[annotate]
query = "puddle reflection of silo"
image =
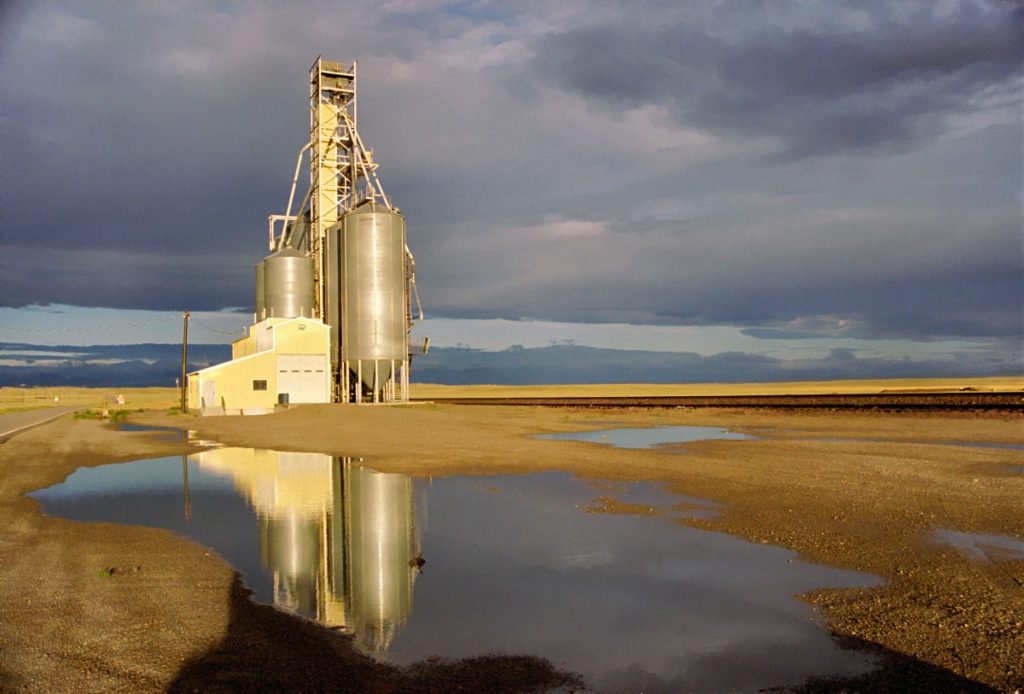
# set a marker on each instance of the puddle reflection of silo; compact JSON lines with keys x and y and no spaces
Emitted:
{"x":338,"y":539}
{"x":290,"y":550}
{"x":381,"y":553}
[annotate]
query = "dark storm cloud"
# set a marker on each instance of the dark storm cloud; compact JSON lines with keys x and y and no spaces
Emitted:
{"x":944,"y":305}
{"x":642,"y":163}
{"x":886,"y":83}
{"x":932,"y":256}
{"x":127,"y":279}
{"x":110,"y":143}
{"x":143,"y":150}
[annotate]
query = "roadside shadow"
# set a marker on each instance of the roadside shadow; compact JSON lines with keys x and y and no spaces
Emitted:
{"x":268,"y":650}
{"x":896,"y":672}
{"x":8,"y":683}
{"x":893,"y":673}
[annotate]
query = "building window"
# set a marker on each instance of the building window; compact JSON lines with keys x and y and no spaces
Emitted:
{"x":259,"y":385}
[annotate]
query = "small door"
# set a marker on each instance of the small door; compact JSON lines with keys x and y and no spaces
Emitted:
{"x":209,"y":394}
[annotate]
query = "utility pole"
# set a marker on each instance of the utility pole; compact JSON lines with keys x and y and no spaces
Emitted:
{"x":184,"y":360}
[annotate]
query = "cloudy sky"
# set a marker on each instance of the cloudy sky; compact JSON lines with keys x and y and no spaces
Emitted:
{"x":706,"y":176}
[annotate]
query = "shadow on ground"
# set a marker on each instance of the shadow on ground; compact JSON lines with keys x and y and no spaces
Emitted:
{"x":267,"y":650}
{"x":7,"y":681}
{"x":897,"y":672}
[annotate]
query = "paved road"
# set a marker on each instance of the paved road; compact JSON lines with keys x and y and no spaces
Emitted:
{"x":16,"y":422}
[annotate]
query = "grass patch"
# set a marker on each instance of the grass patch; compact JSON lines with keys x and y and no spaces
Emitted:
{"x":12,"y":410}
{"x":114,"y":416}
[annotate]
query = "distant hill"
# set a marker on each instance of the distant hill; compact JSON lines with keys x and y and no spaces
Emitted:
{"x":160,"y":364}
{"x":558,"y":364}
{"x":102,"y":365}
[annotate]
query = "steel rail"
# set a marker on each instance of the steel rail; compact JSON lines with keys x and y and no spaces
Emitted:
{"x":953,"y":401}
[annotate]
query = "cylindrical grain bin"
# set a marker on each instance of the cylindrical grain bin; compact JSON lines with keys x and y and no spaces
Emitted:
{"x":288,"y":281}
{"x":261,"y":291}
{"x":373,"y":293}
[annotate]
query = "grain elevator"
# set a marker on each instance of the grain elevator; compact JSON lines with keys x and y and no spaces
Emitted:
{"x":338,"y":257}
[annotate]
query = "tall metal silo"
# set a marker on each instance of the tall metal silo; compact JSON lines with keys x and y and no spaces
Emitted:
{"x":288,"y":282}
{"x":374,"y":300}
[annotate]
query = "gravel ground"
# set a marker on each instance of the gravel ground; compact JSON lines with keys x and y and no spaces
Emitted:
{"x":862,"y":491}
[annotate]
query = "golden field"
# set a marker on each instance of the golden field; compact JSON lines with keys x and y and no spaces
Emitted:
{"x":988,"y":384}
{"x":167,"y":398}
{"x":134,"y":398}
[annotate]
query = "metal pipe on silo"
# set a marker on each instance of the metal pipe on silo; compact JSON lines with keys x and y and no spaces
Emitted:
{"x":332,"y":310}
{"x":261,"y":291}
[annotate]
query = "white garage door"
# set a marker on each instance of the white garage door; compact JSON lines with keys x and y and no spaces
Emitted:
{"x":303,"y":377}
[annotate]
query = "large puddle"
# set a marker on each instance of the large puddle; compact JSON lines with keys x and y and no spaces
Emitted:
{"x":648,"y":437}
{"x":462,"y":566}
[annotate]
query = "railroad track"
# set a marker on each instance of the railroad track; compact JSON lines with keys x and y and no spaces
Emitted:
{"x":892,"y":402}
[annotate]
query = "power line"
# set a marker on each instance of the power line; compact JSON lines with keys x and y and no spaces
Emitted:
{"x":234,"y":332}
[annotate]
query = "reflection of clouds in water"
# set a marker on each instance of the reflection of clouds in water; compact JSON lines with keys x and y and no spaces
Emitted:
{"x":586,"y":560}
{"x":608,"y":595}
{"x":649,"y":437}
{"x":702,"y":667}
